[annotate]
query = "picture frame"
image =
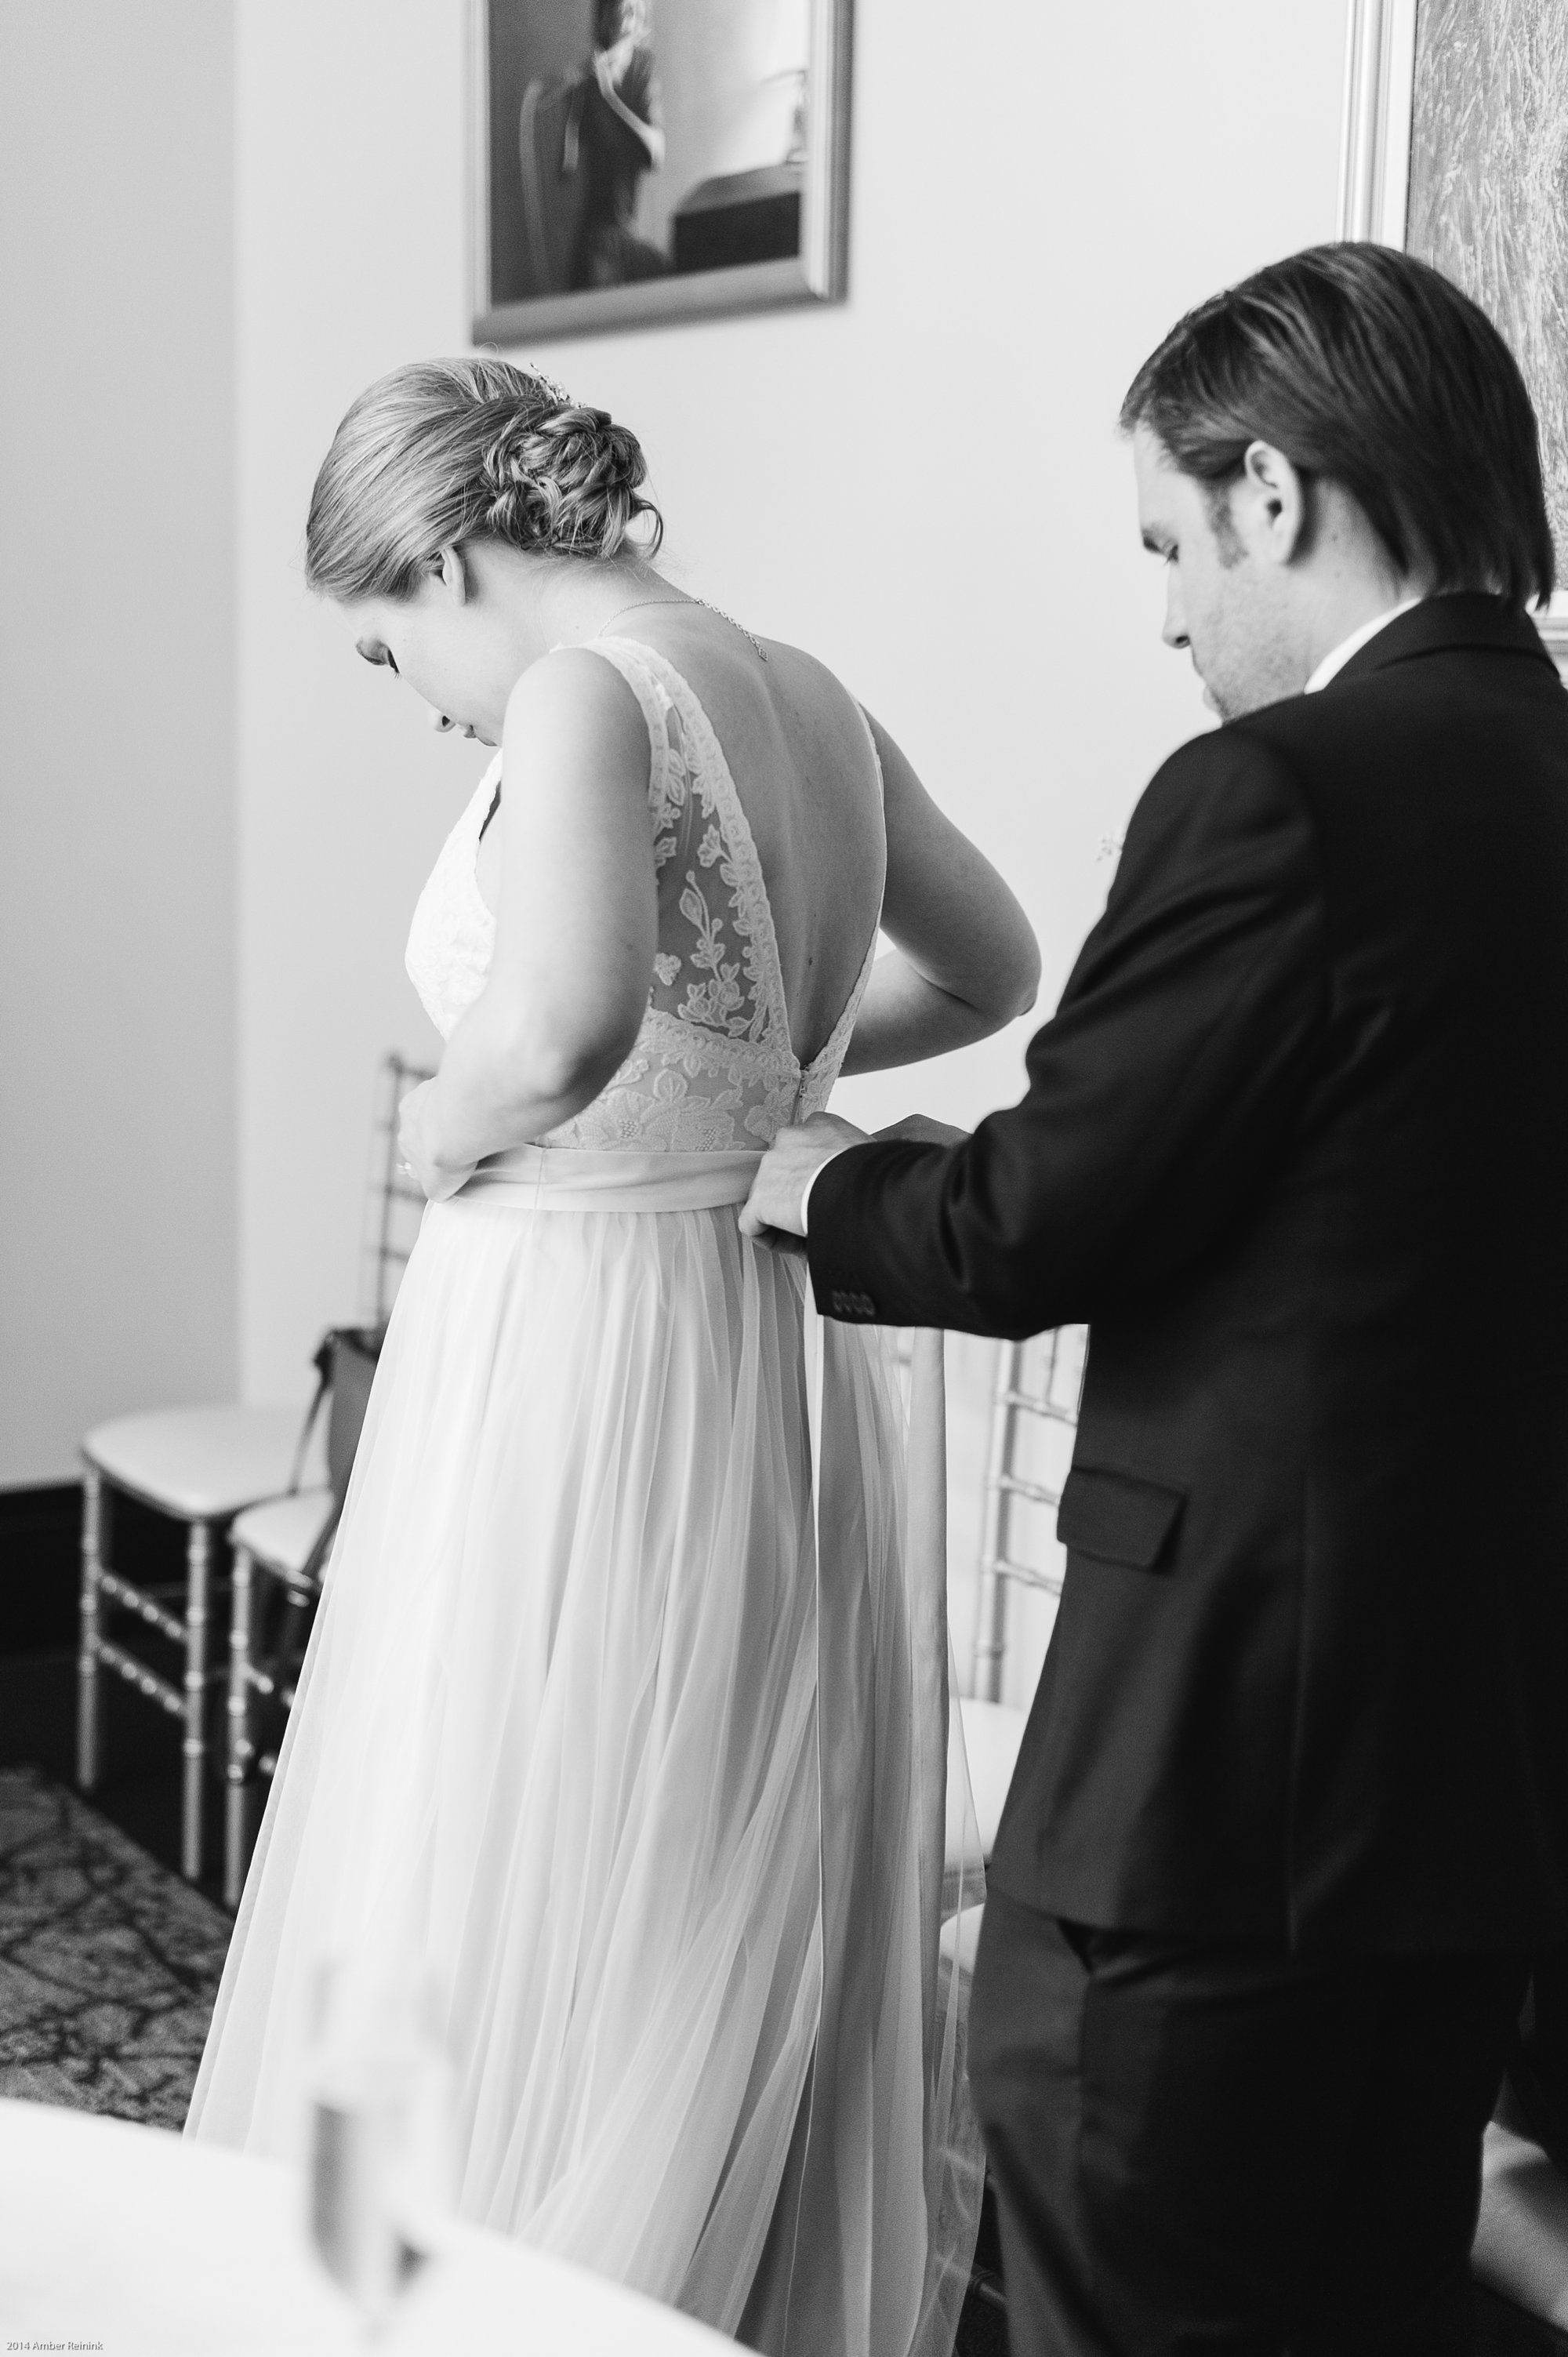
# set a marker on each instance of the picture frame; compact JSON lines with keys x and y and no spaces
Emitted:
{"x":635,"y":162}
{"x":1391,"y":189}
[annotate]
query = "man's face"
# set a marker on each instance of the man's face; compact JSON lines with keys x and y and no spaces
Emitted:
{"x":1225,"y":601}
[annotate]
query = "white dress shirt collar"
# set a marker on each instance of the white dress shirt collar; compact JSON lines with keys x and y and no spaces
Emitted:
{"x":1337,"y":657}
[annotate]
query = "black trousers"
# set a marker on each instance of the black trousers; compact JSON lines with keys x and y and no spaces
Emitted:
{"x":1223,"y":2147}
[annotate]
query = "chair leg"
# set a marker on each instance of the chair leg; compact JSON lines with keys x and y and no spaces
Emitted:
{"x":991,"y":1604}
{"x":88,"y":1699}
{"x":199,"y":1563}
{"x":241,"y":1750}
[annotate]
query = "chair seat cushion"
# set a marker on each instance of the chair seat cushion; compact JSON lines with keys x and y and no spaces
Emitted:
{"x":992,"y":1733}
{"x":199,"y":1463}
{"x":1521,"y":2242}
{"x":281,"y":1532}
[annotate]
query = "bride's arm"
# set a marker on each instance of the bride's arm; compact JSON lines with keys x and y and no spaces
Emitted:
{"x":576,"y":925}
{"x":964,"y":958}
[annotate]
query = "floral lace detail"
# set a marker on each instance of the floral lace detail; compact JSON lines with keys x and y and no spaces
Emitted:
{"x":712,"y":1067}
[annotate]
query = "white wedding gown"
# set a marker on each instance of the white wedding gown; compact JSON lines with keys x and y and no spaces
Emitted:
{"x":592,"y":1725}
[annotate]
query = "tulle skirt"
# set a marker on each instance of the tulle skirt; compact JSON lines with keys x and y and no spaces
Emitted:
{"x":625,"y":1717}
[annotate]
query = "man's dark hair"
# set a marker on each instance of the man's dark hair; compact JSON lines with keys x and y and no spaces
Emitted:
{"x":1373,"y":371}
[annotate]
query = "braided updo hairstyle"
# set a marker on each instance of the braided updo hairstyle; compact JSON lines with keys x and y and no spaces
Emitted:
{"x":442,"y":452}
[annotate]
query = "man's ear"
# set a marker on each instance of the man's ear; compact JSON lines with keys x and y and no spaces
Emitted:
{"x":449,"y":567}
{"x":1273,"y":493}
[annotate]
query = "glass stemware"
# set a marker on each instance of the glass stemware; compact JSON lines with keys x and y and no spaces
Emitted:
{"x":379,"y":2141}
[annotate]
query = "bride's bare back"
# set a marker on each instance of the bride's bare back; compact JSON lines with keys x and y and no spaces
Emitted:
{"x":799,"y":753}
{"x":842,"y":838}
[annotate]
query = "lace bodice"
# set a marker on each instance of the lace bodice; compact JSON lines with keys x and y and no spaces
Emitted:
{"x":712,"y":1067}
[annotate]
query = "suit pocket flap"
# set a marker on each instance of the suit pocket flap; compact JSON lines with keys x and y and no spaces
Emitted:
{"x":1118,"y":1517}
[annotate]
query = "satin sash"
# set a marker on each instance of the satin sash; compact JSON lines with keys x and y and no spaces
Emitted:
{"x":560,"y":1179}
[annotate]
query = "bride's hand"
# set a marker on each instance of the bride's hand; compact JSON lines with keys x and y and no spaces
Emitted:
{"x":416,"y":1147}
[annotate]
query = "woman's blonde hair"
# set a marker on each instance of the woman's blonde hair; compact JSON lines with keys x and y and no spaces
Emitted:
{"x":442,"y":452}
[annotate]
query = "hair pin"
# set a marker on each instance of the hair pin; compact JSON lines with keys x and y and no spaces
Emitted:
{"x":557,"y":392}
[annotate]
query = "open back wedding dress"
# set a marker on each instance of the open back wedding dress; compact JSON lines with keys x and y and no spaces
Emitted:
{"x":618,"y":1712}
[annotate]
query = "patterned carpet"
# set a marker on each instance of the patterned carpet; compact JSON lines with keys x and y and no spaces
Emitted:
{"x":109,"y":1963}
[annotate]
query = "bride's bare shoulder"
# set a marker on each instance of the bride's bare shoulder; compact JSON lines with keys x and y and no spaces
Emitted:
{"x":573,"y":704}
{"x":803,"y":665}
{"x":815,"y":690}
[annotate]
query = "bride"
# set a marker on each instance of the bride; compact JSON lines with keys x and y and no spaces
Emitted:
{"x":613,"y":1717}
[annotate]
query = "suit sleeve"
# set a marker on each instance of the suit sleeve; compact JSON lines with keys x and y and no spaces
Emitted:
{"x":1160,"y":1093}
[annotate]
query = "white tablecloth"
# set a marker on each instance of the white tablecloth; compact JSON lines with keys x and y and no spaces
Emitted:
{"x":130,"y":2241}
{"x":1522,"y":2245}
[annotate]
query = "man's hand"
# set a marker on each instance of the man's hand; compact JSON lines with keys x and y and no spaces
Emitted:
{"x":773,"y":1211}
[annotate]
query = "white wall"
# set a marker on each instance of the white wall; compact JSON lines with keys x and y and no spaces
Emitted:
{"x":117,"y":1266}
{"x":924,"y":485}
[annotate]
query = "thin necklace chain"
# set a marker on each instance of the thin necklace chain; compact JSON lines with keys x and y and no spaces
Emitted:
{"x":639,"y":603}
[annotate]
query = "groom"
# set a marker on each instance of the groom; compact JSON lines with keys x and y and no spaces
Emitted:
{"x":1291,"y":1815}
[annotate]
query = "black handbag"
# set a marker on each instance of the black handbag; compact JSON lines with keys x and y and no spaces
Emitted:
{"x":345,"y":1363}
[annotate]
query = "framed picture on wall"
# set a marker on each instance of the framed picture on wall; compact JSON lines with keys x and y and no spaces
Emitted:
{"x":636,"y":161}
{"x":1455,"y":148}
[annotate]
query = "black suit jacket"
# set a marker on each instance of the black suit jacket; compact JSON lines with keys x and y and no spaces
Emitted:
{"x":1295,"y":1144}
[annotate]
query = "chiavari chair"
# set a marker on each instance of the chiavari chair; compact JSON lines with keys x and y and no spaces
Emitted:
{"x":277,"y":1541}
{"x":201,"y":1466}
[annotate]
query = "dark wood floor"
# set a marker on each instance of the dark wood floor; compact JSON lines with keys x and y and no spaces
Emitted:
{"x":140,"y":1789}
{"x":140,"y":1786}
